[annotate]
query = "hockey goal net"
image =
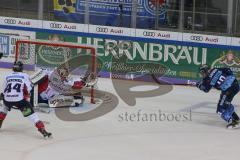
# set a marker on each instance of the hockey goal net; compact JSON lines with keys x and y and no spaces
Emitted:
{"x":76,"y":59}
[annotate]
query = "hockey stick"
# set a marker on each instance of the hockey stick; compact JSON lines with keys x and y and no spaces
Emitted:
{"x":161,"y":82}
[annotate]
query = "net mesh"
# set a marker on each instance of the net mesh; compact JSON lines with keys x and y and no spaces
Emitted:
{"x":52,"y":54}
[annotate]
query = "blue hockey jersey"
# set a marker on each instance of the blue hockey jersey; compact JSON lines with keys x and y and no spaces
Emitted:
{"x":219,"y":78}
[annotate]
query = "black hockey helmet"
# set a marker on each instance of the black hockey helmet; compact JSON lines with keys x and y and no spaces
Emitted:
{"x":204,"y":70}
{"x":17,"y":66}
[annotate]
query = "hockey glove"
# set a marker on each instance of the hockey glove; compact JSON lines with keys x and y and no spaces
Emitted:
{"x":198,"y":84}
{"x":201,"y":86}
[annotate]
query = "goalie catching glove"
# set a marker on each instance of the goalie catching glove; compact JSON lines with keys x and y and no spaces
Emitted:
{"x":87,"y":81}
{"x":90,"y":80}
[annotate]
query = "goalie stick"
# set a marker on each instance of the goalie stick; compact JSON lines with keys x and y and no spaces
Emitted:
{"x":65,"y":101}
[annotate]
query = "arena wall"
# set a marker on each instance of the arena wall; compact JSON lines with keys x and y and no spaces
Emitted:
{"x":130,"y":53}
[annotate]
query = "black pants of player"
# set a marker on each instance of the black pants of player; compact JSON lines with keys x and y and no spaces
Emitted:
{"x":227,"y":96}
{"x":24,"y":106}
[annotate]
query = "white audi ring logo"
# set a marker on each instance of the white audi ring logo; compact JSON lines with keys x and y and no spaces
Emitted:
{"x":149,"y":34}
{"x":10,"y":21}
{"x":55,"y":25}
{"x":196,"y":38}
{"x":102,"y":30}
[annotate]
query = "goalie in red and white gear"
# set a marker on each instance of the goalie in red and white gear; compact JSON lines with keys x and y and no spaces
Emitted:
{"x":44,"y":92}
{"x":58,"y":86}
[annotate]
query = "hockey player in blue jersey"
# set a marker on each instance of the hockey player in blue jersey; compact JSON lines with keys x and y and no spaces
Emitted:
{"x":224,"y":80}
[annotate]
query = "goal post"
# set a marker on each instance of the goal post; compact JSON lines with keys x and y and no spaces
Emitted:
{"x":52,"y":54}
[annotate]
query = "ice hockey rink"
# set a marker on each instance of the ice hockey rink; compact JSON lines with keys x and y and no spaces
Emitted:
{"x":201,"y":136}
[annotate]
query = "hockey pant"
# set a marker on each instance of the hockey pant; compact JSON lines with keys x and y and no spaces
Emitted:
{"x":25,"y":107}
{"x":225,"y":108}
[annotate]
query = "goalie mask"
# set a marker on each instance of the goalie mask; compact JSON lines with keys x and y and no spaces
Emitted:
{"x":17,"y":66}
{"x":63,"y":73}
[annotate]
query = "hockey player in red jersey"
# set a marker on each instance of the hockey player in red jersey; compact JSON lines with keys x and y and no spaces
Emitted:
{"x":16,"y":94}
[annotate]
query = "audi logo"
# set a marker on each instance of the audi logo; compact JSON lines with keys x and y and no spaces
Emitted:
{"x":55,"y":25}
{"x":149,"y":34}
{"x":10,"y":21}
{"x":196,"y":38}
{"x":102,"y":30}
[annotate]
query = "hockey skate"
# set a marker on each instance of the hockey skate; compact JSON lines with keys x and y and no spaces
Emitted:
{"x":234,"y":124}
{"x":45,"y":133}
{"x":78,"y":100}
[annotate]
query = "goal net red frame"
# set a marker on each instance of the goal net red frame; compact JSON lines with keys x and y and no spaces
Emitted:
{"x":30,"y":58}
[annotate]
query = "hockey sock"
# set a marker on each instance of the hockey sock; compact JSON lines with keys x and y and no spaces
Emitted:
{"x":35,"y":119}
{"x":40,"y":125}
{"x":2,"y":117}
{"x":235,"y":116}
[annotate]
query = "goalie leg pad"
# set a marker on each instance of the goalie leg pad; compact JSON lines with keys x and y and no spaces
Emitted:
{"x":65,"y":101}
{"x":61,"y":101}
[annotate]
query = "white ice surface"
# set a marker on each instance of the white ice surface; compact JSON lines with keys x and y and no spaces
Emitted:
{"x":109,"y":138}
